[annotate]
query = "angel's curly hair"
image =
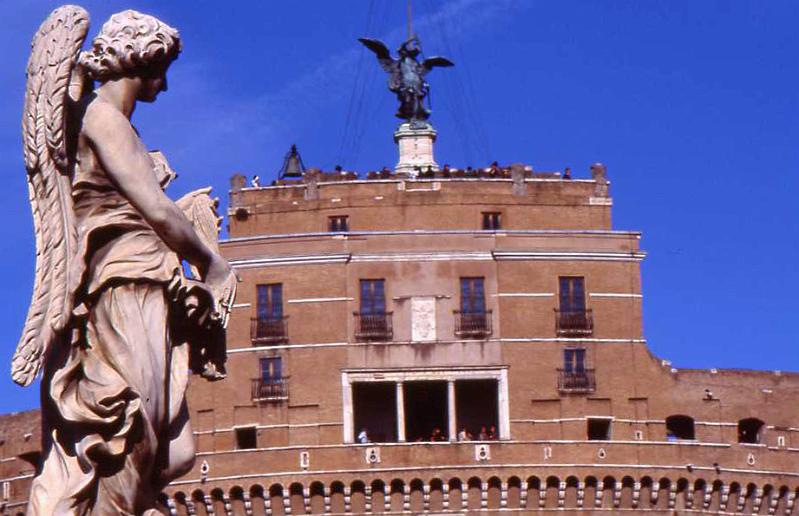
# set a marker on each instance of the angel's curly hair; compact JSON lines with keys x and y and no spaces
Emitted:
{"x":129,"y":44}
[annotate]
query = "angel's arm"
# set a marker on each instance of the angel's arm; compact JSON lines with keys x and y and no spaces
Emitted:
{"x":127,"y":163}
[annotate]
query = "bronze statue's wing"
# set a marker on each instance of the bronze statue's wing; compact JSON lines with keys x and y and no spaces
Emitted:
{"x":54,"y":54}
{"x":381,"y":51}
{"x":431,"y":62}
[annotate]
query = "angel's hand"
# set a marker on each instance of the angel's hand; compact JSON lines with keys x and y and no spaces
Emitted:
{"x":222,"y":281}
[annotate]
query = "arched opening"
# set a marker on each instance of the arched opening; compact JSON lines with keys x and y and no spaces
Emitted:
{"x":782,"y":502}
{"x":417,"y":495}
{"x":162,"y":503}
{"x":237,"y":501}
{"x":257,"y":500}
{"x":589,"y":495}
{"x":436,"y":495}
{"x":664,"y":486}
{"x":296,"y":499}
{"x":679,"y":428}
{"x":198,"y":499}
{"x":608,"y":487}
{"x":749,"y":430}
{"x":681,"y":502}
{"x":700,"y":487}
{"x":514,"y":496}
{"x":181,"y":507}
{"x":474,"y":490}
{"x":627,"y":485}
{"x":570,"y":497}
{"x":218,"y":501}
{"x":337,"y":504}
{"x":645,"y":494}
{"x":378,"y":497}
{"x":317,"y":494}
{"x":358,"y":497}
{"x":733,"y":498}
{"x":397,"y":495}
{"x":715,"y":496}
{"x":494,"y":494}
{"x":765,"y":501}
{"x":552,"y":493}
{"x":455,"y":494}
{"x":749,"y":498}
{"x":276,"y":504}
{"x":533,"y":492}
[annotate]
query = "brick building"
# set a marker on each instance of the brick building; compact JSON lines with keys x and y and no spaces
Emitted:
{"x":450,"y":343}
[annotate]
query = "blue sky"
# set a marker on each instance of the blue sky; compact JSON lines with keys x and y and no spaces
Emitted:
{"x":693,"y":107}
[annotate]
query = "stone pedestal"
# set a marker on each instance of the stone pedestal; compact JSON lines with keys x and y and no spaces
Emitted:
{"x":415,"y":148}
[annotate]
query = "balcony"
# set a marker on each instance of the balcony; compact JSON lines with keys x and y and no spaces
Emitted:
{"x":576,"y":381}
{"x":269,"y":330}
{"x":574,"y":323}
{"x":475,"y":325}
{"x":373,"y":326}
{"x":270,"y":389}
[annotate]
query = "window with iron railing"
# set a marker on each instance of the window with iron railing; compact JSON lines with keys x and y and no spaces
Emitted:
{"x":472,"y":320}
{"x":269,"y":324}
{"x":271,"y":385}
{"x":274,"y":390}
{"x":372,"y":322}
{"x":575,"y":375}
{"x":572,"y":318}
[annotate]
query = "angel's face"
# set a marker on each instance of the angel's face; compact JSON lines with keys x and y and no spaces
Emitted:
{"x":153,"y":83}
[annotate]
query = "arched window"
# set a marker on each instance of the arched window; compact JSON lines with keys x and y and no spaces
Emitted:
{"x":749,"y":430}
{"x":680,"y":428}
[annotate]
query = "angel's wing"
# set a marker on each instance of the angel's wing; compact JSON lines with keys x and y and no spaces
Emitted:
{"x":431,"y":62}
{"x":381,"y":51}
{"x":54,"y":54}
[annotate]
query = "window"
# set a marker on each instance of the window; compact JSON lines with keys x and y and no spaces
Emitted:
{"x":599,"y":428}
{"x":572,"y":294}
{"x":472,"y":321}
{"x":246,"y":438}
{"x":679,"y":428}
{"x":572,"y":318}
{"x":749,"y":430}
{"x":492,"y":220}
{"x":575,"y":377}
{"x":338,"y":224}
{"x":373,"y":297}
{"x":373,"y":322}
{"x":269,"y":301}
{"x":271,"y":371}
{"x":271,"y":385}
{"x":269,"y":325}
{"x":472,"y":296}
{"x":574,"y":361}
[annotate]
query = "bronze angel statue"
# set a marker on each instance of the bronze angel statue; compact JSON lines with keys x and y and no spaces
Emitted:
{"x":406,"y":76}
{"x":115,"y":323}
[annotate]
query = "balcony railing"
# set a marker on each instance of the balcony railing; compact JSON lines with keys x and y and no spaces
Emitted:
{"x":576,"y":381}
{"x":270,"y":389}
{"x":269,"y":330}
{"x":574,"y":323}
{"x":474,"y":325}
{"x":373,"y":326}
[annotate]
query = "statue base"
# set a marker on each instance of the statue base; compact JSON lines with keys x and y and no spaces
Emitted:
{"x":415,"y":140}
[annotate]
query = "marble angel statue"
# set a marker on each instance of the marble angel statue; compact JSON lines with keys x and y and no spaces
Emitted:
{"x":115,"y":323}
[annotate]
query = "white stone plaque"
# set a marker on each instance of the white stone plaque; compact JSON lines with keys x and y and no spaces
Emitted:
{"x":423,"y":319}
